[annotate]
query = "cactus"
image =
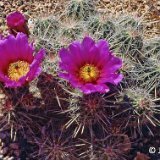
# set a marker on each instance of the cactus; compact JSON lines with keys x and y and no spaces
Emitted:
{"x":152,"y":46}
{"x":111,"y":147}
{"x":87,"y":111}
{"x":62,"y":123}
{"x":141,"y":109}
{"x":127,"y":41}
{"x":55,"y":146}
{"x":148,"y":72}
{"x":128,"y":38}
{"x":71,"y":28}
{"x":81,"y":9}
{"x":45,"y":32}
{"x":101,"y":26}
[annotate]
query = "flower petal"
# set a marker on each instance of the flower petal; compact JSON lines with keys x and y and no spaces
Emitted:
{"x":90,"y":88}
{"x":112,"y":66}
{"x":35,"y":68}
{"x":15,"y":48}
{"x":88,"y":43}
{"x":112,"y":78}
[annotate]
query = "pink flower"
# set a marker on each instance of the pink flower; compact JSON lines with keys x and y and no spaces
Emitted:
{"x":89,"y":66}
{"x":17,"y":23}
{"x":18,"y":64}
{"x":1,"y":36}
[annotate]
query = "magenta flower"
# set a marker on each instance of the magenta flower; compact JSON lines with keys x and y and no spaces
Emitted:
{"x":17,"y":23}
{"x":18,"y":65}
{"x":1,"y":37}
{"x":89,"y":66}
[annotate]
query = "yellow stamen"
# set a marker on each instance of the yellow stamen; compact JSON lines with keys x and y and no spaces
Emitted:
{"x":89,"y":73}
{"x":18,"y":69}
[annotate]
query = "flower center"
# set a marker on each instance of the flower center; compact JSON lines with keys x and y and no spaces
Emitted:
{"x":89,"y":73}
{"x":18,"y":69}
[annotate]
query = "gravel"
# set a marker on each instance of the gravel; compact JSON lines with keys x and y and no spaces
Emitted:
{"x":33,"y":8}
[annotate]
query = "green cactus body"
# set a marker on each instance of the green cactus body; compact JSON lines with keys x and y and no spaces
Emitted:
{"x":81,"y":9}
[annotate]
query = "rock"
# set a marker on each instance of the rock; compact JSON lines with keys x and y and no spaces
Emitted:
{"x":2,"y":96}
{"x":1,"y":4}
{"x":141,"y":156}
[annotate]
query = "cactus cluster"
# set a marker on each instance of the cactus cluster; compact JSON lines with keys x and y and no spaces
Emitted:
{"x":81,"y":9}
{"x":62,"y":123}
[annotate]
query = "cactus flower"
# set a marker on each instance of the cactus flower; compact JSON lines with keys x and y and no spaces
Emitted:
{"x":18,"y":64}
{"x":89,"y":66}
{"x":17,"y":23}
